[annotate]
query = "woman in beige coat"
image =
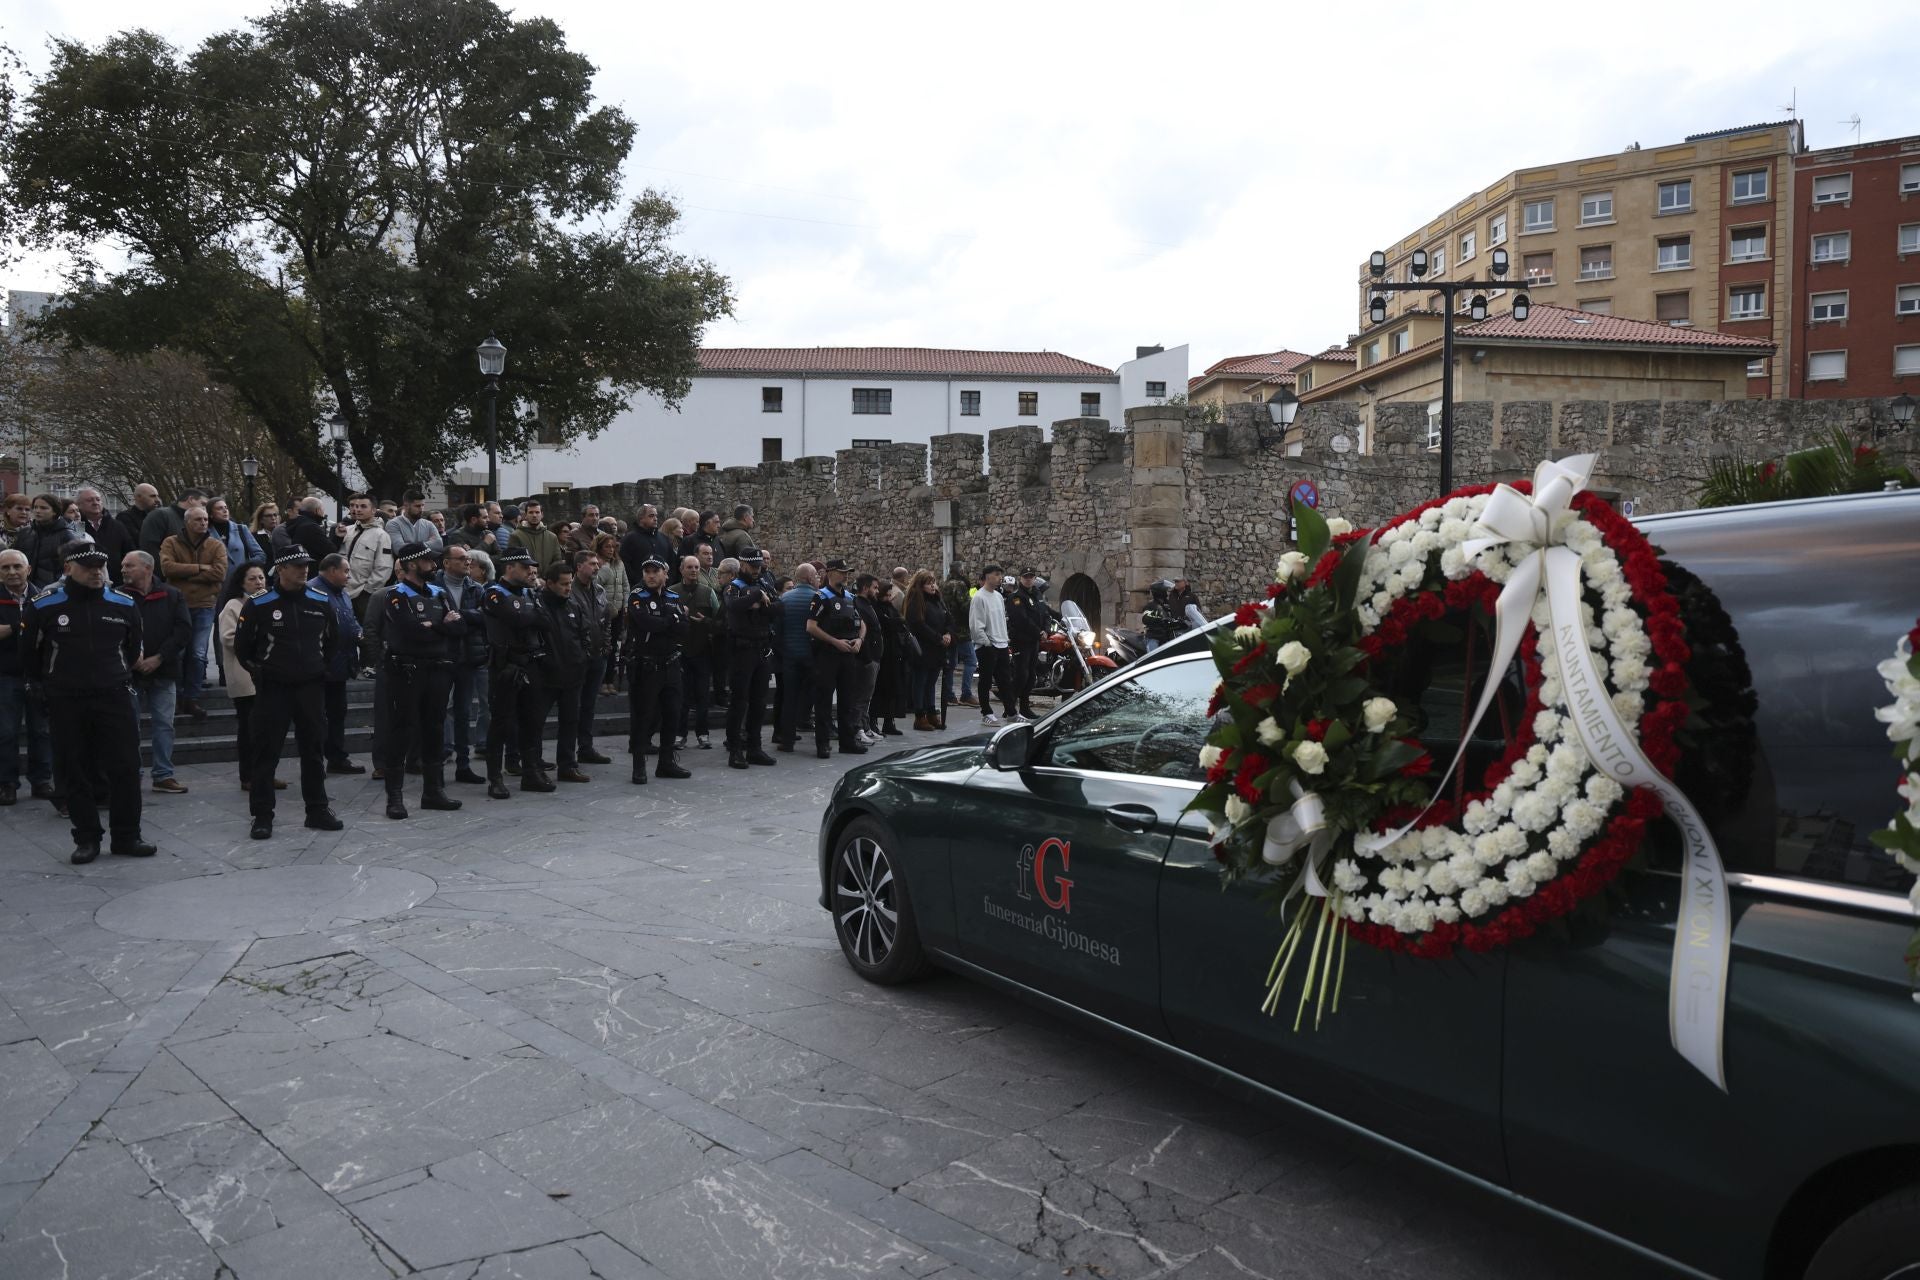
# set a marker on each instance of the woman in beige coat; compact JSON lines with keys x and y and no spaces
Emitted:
{"x":248,"y":580}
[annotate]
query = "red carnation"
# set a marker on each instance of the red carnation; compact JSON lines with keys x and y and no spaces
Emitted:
{"x":1913,"y":639}
{"x":1864,"y":452}
{"x":1261,"y":694}
{"x":1248,"y":615}
{"x":1317,"y":730}
{"x":1251,"y":768}
{"x":1213,"y":703}
{"x":1275,"y":590}
{"x":1421,"y":765}
{"x":1240,"y":667}
{"x":1218,"y":771}
{"x":1766,"y":471}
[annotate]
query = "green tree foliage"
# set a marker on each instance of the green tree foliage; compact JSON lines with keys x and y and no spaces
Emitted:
{"x":332,"y":207}
{"x":1833,"y":467}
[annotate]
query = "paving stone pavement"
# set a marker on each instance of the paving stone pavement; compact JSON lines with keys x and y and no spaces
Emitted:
{"x":607,"y":1033}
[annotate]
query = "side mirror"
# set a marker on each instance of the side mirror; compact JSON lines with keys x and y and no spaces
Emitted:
{"x":1011,"y":748}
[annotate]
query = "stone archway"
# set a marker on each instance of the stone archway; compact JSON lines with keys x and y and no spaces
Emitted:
{"x":1085,"y":593}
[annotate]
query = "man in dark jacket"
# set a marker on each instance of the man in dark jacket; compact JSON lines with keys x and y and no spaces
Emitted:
{"x":473,"y":533}
{"x":589,"y":600}
{"x":736,"y":535}
{"x":164,"y":522}
{"x":422,"y":633}
{"x":286,"y":641}
{"x":1027,"y":620}
{"x":308,"y":531}
{"x":332,"y":579}
{"x":645,"y":542}
{"x":469,"y":662}
{"x":518,"y":636}
{"x":166,"y":637}
{"x":562,"y":672}
{"x":145,"y":499}
{"x":107,"y":533}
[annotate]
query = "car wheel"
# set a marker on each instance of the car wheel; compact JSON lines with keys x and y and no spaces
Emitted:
{"x":1877,"y":1243}
{"x":872,"y":913}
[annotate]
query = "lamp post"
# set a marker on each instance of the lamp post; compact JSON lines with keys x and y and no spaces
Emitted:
{"x":337,"y":432}
{"x":1901,"y":411}
{"x":249,"y":469}
{"x":1448,"y":290}
{"x":1282,"y":407}
{"x":493,"y":363}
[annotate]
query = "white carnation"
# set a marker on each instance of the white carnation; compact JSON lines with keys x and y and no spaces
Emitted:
{"x":1473,"y":901}
{"x":1603,"y":790}
{"x":1453,"y":563}
{"x":1519,"y":883}
{"x":1347,"y":877}
{"x":1512,"y":840}
{"x":1582,"y":819}
{"x":1534,"y":812}
{"x":1541,"y":867}
{"x":1627,"y":705}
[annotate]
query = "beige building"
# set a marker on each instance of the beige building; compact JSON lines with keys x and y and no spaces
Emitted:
{"x":1692,"y":235}
{"x":1241,"y":379}
{"x":1556,"y":354}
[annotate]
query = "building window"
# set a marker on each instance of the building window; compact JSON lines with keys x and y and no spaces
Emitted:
{"x":1466,"y":247}
{"x":1304,"y":381}
{"x":1834,"y":247}
{"x":772,"y":448}
{"x":1596,"y":262}
{"x":873,"y":400}
{"x":1746,"y":302}
{"x":1433,"y":424}
{"x":1537,"y":215}
{"x":1676,"y":253}
{"x":1910,"y":179}
{"x":706,"y":466}
{"x":1370,"y":354}
{"x":1749,"y":244}
{"x":1397,"y":342}
{"x":59,"y":463}
{"x":969,"y":404}
{"x":1497,"y":230}
{"x":1597,"y":306}
{"x":1676,"y":197}
{"x":1826,"y":366}
{"x":868,"y":444}
{"x":1757,"y":368}
{"x":1906,"y":360}
{"x":1910,"y":238}
{"x":1906,"y":300}
{"x":1833,"y":189}
{"x":1596,"y":206}
{"x":1750,"y":185}
{"x":1538,"y":267}
{"x":1438,"y":260}
{"x":770,"y":399}
{"x":1673,"y":308}
{"x":1830,"y":306}
{"x":1029,"y":404}
{"x":1156,"y":390}
{"x":1089,"y":404}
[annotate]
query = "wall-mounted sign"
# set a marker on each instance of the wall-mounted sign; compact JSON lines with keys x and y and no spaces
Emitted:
{"x":1305,"y":494}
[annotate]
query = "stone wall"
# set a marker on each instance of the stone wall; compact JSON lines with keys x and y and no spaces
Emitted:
{"x":1173,"y":496}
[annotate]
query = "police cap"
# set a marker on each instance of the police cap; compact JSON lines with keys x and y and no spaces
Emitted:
{"x":83,"y":551}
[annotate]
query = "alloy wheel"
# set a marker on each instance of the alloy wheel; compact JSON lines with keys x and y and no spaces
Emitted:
{"x":864,"y":906}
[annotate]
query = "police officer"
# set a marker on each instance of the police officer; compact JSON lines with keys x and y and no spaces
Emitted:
{"x":517,"y":638}
{"x":1159,"y":619}
{"x":751,"y":612}
{"x":422,"y":632}
{"x":833,"y":620}
{"x":285,"y":638}
{"x":1027,"y":621}
{"x":656,"y":628}
{"x":80,"y":639}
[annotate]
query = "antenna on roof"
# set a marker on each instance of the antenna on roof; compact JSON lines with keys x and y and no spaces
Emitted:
{"x":1853,"y":122}
{"x":1791,"y":105}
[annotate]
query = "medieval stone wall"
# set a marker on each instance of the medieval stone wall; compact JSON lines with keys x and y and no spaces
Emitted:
{"x":1172,"y":496}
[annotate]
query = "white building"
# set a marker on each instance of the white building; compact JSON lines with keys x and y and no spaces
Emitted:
{"x":763,"y":404}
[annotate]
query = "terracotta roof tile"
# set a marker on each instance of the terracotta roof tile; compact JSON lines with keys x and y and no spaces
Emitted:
{"x":1564,"y":324}
{"x":1339,"y":355}
{"x":1260,"y":364}
{"x":881,"y":361}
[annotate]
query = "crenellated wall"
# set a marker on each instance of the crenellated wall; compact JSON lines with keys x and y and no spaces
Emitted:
{"x":1173,"y":496}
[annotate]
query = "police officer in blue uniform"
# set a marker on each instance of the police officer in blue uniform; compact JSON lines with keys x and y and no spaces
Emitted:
{"x":286,"y":638}
{"x":751,"y":610}
{"x":833,"y":620}
{"x":80,"y":639}
{"x":517,"y":636}
{"x":422,"y":631}
{"x":656,"y":627}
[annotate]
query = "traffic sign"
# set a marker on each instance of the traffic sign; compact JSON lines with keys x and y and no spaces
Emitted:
{"x":1305,"y":494}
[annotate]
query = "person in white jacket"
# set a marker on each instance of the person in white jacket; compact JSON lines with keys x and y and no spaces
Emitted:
{"x":987,"y":624}
{"x":369,"y":552}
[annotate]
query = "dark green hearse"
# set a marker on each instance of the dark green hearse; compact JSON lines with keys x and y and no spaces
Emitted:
{"x":1055,"y":860}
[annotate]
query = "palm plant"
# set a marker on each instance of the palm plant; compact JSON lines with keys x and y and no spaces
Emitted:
{"x":1834,"y":466}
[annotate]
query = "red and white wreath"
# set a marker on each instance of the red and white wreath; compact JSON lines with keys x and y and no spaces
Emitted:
{"x":1314,"y":769}
{"x":1901,"y":836}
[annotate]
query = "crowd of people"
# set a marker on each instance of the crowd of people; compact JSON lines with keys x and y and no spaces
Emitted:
{"x":477,"y":627}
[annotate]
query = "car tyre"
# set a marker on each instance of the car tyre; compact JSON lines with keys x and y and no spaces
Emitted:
{"x":1877,"y":1243}
{"x":872,"y":911}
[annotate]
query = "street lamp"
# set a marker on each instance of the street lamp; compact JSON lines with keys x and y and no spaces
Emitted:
{"x":1448,"y":290}
{"x":1902,"y":411}
{"x":1283,"y":406}
{"x":493,"y":363}
{"x":249,"y":469}
{"x":337,"y":433}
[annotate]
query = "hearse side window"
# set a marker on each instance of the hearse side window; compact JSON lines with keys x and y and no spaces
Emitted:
{"x":1817,"y":594}
{"x":1152,"y":725}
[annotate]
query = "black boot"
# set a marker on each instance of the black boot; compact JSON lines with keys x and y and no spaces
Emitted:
{"x":464,"y":774}
{"x":756,"y":756}
{"x":497,"y":788}
{"x":85,"y":851}
{"x":435,"y":796}
{"x":639,"y":773}
{"x":134,"y":848}
{"x":262,"y":829}
{"x":736,"y":759}
{"x":325,"y":820}
{"x":668,"y":769}
{"x":396,"y":807}
{"x":890,"y":730}
{"x":535,"y":780}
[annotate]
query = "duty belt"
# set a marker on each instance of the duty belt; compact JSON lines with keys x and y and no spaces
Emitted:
{"x":405,"y":660}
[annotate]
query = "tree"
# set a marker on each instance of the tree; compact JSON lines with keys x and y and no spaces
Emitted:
{"x":332,"y":208}
{"x":157,"y":419}
{"x":1835,"y":466}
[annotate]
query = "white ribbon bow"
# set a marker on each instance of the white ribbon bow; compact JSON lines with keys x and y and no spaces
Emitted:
{"x":1696,"y":994}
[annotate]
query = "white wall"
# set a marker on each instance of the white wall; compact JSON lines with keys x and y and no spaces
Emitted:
{"x":721,"y":422}
{"x":1169,"y":367}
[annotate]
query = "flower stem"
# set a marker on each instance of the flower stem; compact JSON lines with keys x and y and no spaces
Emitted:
{"x":1334,"y":935}
{"x":1339,"y":983}
{"x":1282,"y":960}
{"x":1313,"y":964}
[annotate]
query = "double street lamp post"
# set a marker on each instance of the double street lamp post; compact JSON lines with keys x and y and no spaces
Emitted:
{"x":249,"y":469}
{"x":1448,"y":290}
{"x":337,"y":432}
{"x":493,"y":363}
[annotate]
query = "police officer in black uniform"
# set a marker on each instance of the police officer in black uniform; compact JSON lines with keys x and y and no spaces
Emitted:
{"x":517,"y":637}
{"x":80,"y":639}
{"x":1027,"y":621}
{"x":1159,"y":620}
{"x":285,"y":638}
{"x":422,"y":633}
{"x":656,"y":627}
{"x":833,"y":620}
{"x":751,"y":610}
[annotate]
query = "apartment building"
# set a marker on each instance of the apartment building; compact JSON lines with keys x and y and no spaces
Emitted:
{"x":1856,"y":265}
{"x":1239,"y":379}
{"x":1687,"y":235}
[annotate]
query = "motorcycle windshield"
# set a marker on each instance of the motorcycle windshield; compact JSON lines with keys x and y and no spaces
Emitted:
{"x":1076,"y":623}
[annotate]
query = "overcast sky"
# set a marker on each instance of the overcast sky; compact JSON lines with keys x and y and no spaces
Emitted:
{"x":1087,"y":178}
